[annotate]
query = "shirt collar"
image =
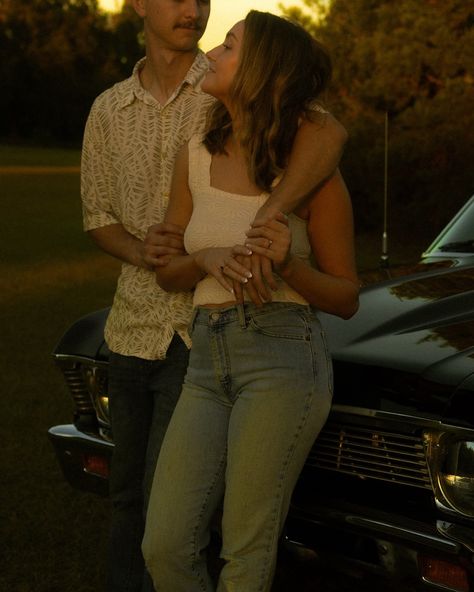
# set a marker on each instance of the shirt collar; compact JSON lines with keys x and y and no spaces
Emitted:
{"x":134,"y":90}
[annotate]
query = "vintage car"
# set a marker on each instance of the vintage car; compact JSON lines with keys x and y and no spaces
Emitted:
{"x":388,"y":487}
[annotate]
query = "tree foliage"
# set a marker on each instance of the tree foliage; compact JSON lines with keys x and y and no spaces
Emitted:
{"x":413,"y":59}
{"x":55,"y":57}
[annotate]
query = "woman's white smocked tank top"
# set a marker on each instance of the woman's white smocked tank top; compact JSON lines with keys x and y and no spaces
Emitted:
{"x":220,"y":219}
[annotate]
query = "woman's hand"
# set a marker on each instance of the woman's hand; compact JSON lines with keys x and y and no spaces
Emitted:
{"x":273,"y":240}
{"x":221,"y":264}
{"x":256,"y":288}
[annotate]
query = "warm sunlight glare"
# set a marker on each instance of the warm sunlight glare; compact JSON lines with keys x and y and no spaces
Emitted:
{"x":112,"y":5}
{"x":224,"y":14}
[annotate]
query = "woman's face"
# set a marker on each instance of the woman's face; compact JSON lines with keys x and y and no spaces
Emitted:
{"x":223,"y":64}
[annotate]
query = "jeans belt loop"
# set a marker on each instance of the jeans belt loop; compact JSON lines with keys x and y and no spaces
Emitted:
{"x":241,"y":315}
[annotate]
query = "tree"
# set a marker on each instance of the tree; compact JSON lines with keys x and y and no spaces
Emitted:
{"x":415,"y":60}
{"x":55,"y":57}
{"x":128,"y":39}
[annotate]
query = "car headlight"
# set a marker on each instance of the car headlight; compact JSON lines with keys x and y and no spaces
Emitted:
{"x":95,"y":378}
{"x":451,"y":462}
{"x":456,"y":476}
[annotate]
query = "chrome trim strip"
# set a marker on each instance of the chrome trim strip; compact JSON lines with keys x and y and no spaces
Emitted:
{"x":379,"y":528}
{"x":70,"y":432}
{"x":400,"y":417}
{"x":80,"y":359}
{"x":458,"y":533}
{"x":397,"y":531}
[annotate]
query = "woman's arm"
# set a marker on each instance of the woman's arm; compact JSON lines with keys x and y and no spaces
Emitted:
{"x":333,"y":286}
{"x":183,"y":271}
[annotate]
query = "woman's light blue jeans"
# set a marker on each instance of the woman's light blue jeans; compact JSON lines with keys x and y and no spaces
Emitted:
{"x":257,"y":392}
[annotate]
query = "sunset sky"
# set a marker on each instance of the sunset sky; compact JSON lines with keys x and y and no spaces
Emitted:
{"x":224,"y":14}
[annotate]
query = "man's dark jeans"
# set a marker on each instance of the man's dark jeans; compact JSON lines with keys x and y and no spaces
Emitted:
{"x":142,"y":397}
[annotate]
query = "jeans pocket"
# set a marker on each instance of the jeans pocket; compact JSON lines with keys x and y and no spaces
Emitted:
{"x":285,"y":322}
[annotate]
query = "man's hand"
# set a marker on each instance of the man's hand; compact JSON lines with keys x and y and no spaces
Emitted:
{"x":271,"y":240}
{"x":161,"y":241}
{"x":266,"y":213}
{"x":259,"y":263}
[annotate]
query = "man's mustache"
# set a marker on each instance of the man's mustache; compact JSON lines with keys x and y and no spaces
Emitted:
{"x":193,"y":25}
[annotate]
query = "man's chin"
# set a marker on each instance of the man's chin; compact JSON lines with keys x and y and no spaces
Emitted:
{"x":191,"y":34}
{"x":190,"y":44}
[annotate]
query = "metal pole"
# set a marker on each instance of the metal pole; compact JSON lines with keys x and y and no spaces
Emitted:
{"x":384,"y":257}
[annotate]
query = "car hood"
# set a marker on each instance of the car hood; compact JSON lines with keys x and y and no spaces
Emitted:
{"x":85,"y":338}
{"x":410,"y":347}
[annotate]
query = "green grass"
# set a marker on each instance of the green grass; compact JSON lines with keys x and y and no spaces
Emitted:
{"x":31,"y":156}
{"x":53,"y":536}
{"x":57,"y":532}
{"x":41,"y":219}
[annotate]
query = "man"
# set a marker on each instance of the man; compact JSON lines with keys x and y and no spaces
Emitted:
{"x":132,"y":135}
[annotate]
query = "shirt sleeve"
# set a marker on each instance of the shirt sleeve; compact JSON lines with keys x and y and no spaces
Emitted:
{"x":96,"y":173}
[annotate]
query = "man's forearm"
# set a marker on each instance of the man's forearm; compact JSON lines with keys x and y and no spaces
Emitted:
{"x":119,"y":243}
{"x":315,"y":156}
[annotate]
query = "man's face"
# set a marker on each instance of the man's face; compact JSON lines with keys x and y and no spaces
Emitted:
{"x":174,"y":24}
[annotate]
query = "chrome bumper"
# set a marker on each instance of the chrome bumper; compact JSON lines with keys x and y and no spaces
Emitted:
{"x":84,"y":458}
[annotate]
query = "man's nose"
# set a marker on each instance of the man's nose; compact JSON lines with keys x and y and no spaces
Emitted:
{"x":193,"y":9}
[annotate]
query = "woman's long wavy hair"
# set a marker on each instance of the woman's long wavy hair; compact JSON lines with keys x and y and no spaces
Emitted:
{"x":282,"y":71}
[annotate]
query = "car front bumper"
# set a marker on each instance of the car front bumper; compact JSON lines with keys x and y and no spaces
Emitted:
{"x":361,"y":540}
{"x":84,"y":458}
{"x":353,"y":538}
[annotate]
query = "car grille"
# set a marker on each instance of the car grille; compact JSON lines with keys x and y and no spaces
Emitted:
{"x":371,"y":454}
{"x":77,"y":387}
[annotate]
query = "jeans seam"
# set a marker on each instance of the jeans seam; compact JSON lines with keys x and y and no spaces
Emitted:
{"x":273,"y":537}
{"x":328,"y":362}
{"x":222,"y":463}
{"x":220,"y":357}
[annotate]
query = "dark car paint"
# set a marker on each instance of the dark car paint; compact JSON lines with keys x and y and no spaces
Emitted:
{"x":430,"y":319}
{"x":85,"y":337}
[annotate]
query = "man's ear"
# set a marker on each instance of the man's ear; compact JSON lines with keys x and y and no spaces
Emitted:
{"x":139,"y":6}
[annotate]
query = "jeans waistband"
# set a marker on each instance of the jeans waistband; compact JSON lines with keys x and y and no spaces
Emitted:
{"x":241,"y":313}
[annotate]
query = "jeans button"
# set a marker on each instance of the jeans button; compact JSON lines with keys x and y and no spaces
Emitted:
{"x":214,"y":316}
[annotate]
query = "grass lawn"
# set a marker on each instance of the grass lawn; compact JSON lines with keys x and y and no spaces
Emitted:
{"x":30,"y":156}
{"x":53,"y":537}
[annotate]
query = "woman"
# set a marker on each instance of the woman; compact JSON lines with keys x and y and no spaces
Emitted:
{"x":258,"y":387}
